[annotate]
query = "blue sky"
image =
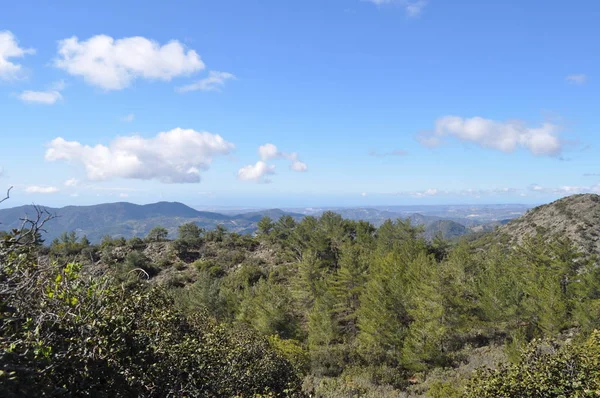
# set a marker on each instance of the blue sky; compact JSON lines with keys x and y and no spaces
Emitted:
{"x":361,"y":102}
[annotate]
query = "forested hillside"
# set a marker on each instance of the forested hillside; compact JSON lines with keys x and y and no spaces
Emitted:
{"x":323,"y":307}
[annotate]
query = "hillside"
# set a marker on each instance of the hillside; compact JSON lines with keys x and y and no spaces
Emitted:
{"x":297,"y":282}
{"x":576,"y":217}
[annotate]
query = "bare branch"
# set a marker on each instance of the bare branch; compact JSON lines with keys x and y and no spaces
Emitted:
{"x":32,"y":227}
{"x":7,"y":195}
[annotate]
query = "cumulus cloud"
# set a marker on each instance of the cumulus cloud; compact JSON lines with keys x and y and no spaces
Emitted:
{"x":41,"y":189}
{"x":257,"y":172}
{"x":113,"y":64}
{"x":270,"y":152}
{"x":577,"y":79}
{"x":395,"y":152}
{"x":9,"y":48}
{"x":175,"y":156}
{"x":412,"y":8}
{"x":128,"y":118}
{"x":213,"y":82}
{"x":72,"y":182}
{"x":502,"y":136}
{"x":123,"y":195}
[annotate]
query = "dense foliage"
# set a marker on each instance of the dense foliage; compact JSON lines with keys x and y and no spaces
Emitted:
{"x":351,"y":309}
{"x":62,"y":333}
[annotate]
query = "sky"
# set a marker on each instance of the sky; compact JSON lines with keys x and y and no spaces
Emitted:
{"x":276,"y":103}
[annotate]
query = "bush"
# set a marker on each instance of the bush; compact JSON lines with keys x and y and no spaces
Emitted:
{"x":136,"y":243}
{"x":139,"y":260}
{"x":544,"y":370}
{"x":210,"y":267}
{"x":63,"y":335}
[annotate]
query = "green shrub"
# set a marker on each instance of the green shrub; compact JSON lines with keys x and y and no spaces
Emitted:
{"x":65,"y":335}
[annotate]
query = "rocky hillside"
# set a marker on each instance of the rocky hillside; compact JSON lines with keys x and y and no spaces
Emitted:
{"x":576,"y":217}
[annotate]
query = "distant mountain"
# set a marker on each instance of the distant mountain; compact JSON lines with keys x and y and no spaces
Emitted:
{"x":446,"y":229}
{"x":576,"y":217}
{"x":122,"y":219}
{"x":127,"y":220}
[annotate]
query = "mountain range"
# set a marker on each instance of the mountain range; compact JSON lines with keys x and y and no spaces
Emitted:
{"x":127,"y":220}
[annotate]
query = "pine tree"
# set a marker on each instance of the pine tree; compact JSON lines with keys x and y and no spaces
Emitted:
{"x":424,"y":341}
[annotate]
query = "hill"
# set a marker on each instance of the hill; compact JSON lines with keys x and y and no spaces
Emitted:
{"x":122,"y":219}
{"x":576,"y":217}
{"x":129,"y":220}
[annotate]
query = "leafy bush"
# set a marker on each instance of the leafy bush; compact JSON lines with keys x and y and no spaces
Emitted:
{"x":546,"y":371}
{"x":62,"y":334}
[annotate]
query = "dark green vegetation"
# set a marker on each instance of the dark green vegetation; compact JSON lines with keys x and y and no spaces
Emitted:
{"x":326,"y":307}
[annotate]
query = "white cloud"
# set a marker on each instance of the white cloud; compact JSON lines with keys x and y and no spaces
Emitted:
{"x":296,"y":165}
{"x":364,"y":194}
{"x":113,"y":64}
{"x":577,"y":79}
{"x":430,"y":192}
{"x":175,"y":156}
{"x":48,"y":97}
{"x":72,"y":182}
{"x":270,"y":152}
{"x":257,"y":172}
{"x":412,"y":8}
{"x":40,"y":97}
{"x":9,"y":48}
{"x":421,"y":194}
{"x":41,"y":189}
{"x":123,"y":195}
{"x":128,"y":118}
{"x":213,"y":82}
{"x":566,"y":190}
{"x":503,"y":136}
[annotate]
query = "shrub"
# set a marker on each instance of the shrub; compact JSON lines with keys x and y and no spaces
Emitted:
{"x":64,"y":335}
{"x":544,"y":370}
